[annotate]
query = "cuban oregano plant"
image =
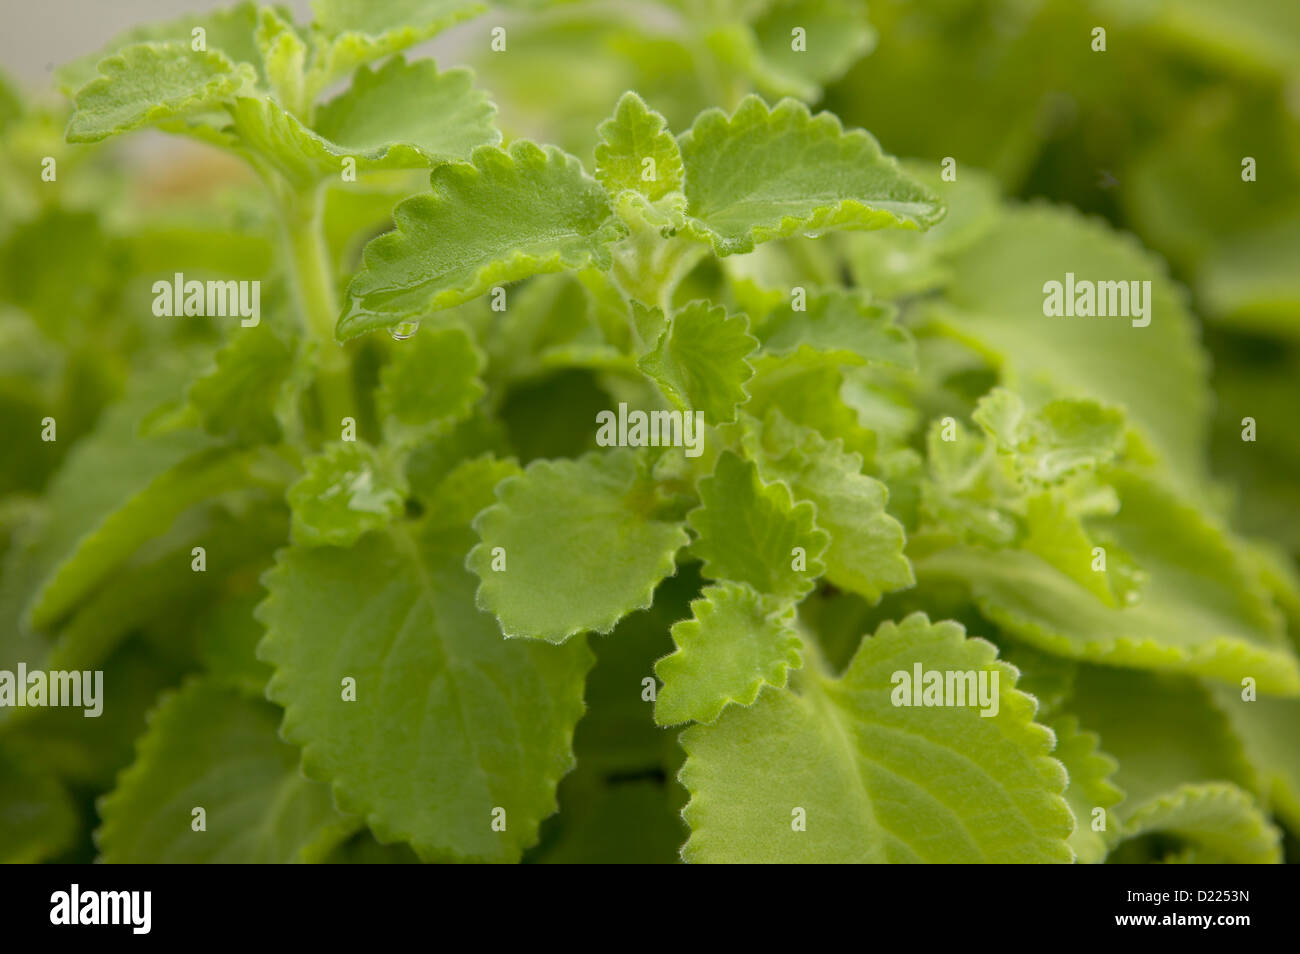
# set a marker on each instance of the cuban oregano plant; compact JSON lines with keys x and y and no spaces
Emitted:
{"x":643,"y":505}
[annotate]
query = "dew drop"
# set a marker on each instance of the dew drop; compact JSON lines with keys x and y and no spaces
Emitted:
{"x":405,"y":330}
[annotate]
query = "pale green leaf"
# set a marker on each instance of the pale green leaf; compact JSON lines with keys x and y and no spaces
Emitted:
{"x":237,"y":396}
{"x":229,"y":30}
{"x":842,"y":322}
{"x":865,"y":554}
{"x":761,"y":174}
{"x":1202,"y":609}
{"x":1089,"y":789}
{"x":432,"y":381}
{"x":152,"y":82}
{"x":284,"y":56}
{"x":351,"y":32}
{"x":1269,"y":731}
{"x":1055,"y":441}
{"x":996,"y":299}
{"x":808,"y":387}
{"x":349,"y":489}
{"x":115,"y":490}
{"x":1216,"y":817}
{"x":875,"y":781}
{"x":488,"y":721}
{"x":407,"y":115}
{"x":752,"y":532}
{"x":1163,"y":730}
{"x":635,"y":134}
{"x":403,"y":115}
{"x":736,"y":642}
{"x":216,"y":749}
{"x":580,"y":544}
{"x":506,"y":216}
{"x":699,"y":361}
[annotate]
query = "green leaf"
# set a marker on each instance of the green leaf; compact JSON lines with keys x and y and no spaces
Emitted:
{"x":752,"y":532}
{"x":618,"y":736}
{"x":38,"y":818}
{"x":865,"y":553}
{"x":230,"y":31}
{"x":152,"y":82}
{"x":238,"y":395}
{"x":1202,"y":610}
{"x":348,"y":490}
{"x":407,"y":115}
{"x":737,"y":642}
{"x":635,"y":134}
{"x":875,"y":781}
{"x":432,"y":381}
{"x":284,"y":56}
{"x":1046,"y":446}
{"x":351,"y":32}
{"x":1217,"y":817}
{"x":580,"y":544}
{"x":996,"y":299}
{"x":115,"y":490}
{"x":489,"y":721}
{"x":215,"y":749}
{"x":842,"y":322}
{"x":506,"y":216}
{"x":1162,"y":729}
{"x":1090,"y":770}
{"x":699,"y":361}
{"x":1269,"y":731}
{"x":373,"y":124}
{"x":808,"y":388}
{"x":762,"y":174}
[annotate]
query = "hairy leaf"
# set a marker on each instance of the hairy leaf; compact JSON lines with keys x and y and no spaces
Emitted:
{"x":432,"y":381}
{"x":737,"y":642}
{"x":873,"y":781}
{"x":752,"y":532}
{"x":488,"y":721}
{"x":764,"y":173}
{"x":215,"y":749}
{"x":506,"y":216}
{"x":151,"y":82}
{"x":635,"y":134}
{"x":572,"y":545}
{"x":699,"y":361}
{"x":842,"y":322}
{"x":348,"y":489}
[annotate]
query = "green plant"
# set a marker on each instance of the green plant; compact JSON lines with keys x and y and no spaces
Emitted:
{"x":687,"y":486}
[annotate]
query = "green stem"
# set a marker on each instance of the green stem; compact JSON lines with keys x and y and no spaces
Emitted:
{"x":313,"y":283}
{"x":648,"y":268}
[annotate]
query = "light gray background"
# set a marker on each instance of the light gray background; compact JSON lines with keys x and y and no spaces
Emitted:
{"x":38,"y":35}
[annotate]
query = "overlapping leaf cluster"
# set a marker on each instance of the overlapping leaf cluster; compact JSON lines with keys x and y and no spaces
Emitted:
{"x":438,"y":620}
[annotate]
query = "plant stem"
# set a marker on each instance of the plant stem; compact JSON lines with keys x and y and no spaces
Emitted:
{"x":648,"y":268}
{"x":313,"y":283}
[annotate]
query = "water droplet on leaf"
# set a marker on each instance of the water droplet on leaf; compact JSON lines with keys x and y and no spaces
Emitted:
{"x":405,"y":330}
